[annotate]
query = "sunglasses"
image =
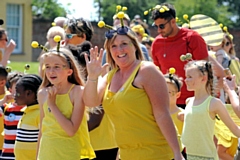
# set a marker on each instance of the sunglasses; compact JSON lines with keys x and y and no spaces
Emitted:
{"x":70,"y":36}
{"x":162,"y":26}
{"x":227,"y":43}
{"x":121,"y":31}
{"x":5,"y":39}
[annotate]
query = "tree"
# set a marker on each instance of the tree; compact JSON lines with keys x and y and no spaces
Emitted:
{"x":233,"y":7}
{"x":48,"y":9}
{"x":208,"y":7}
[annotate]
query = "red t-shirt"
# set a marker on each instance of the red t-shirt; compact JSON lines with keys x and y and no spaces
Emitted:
{"x":166,"y":52}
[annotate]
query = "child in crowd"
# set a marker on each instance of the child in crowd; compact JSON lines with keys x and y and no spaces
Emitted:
{"x":64,"y":132}
{"x":200,"y":112}
{"x":174,"y":84}
{"x":12,"y":114}
{"x":28,"y":126}
{"x":3,"y":91}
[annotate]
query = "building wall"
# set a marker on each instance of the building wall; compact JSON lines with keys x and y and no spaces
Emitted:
{"x":26,"y":55}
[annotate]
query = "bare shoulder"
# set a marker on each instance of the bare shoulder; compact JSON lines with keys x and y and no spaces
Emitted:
{"x":77,"y":89}
{"x":42,"y":95}
{"x":42,"y":92}
{"x":215,"y":104}
{"x":149,"y":67}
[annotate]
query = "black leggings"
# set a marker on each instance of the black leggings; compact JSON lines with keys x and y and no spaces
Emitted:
{"x":108,"y":154}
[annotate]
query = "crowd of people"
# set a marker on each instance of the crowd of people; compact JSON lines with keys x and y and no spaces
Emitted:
{"x":137,"y":97}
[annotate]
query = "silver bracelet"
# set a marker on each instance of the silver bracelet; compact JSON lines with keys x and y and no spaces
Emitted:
{"x":93,"y":80}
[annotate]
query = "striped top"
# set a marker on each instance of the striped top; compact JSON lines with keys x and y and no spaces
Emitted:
{"x":12,"y":114}
{"x":27,"y":133}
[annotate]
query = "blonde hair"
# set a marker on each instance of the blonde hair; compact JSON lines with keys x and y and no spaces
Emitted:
{"x":108,"y":42}
{"x":69,"y":60}
{"x":174,"y":80}
{"x":56,"y":30}
{"x":232,"y":52}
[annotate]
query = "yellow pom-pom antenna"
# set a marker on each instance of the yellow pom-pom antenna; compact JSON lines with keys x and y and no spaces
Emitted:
{"x":118,"y":7}
{"x":177,"y":19}
{"x":145,"y":13}
{"x":53,"y":24}
{"x":225,"y":28}
{"x":161,"y":10}
{"x":172,"y":70}
{"x":221,"y":25}
{"x":165,"y":8}
{"x":8,"y":69}
{"x":157,"y":6}
{"x":102,"y":24}
{"x":57,"y":38}
{"x":35,"y":44}
{"x":124,"y":8}
{"x":27,"y":67}
{"x":120,"y":15}
{"x":185,"y":16}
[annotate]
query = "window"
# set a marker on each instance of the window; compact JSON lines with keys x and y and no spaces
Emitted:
{"x":14,"y":25}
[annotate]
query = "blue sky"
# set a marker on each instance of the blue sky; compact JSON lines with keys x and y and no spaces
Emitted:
{"x":81,"y":8}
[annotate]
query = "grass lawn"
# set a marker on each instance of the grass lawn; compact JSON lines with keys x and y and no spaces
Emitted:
{"x":19,"y":66}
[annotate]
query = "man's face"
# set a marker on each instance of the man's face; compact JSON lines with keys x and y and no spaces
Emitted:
{"x":164,"y":26}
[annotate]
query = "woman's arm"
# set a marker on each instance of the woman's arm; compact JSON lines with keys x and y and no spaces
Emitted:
{"x":95,"y":85}
{"x":229,"y":87}
{"x":218,"y":108}
{"x":155,"y":86}
{"x":69,"y":125}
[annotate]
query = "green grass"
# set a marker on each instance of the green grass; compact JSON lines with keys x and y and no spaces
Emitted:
{"x":19,"y":66}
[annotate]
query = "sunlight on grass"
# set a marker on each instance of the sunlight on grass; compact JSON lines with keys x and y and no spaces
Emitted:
{"x":19,"y":66}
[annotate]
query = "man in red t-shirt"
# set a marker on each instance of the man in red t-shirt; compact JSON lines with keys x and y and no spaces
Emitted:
{"x":174,"y":41}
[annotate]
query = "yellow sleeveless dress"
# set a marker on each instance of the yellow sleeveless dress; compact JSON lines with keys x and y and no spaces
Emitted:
{"x":137,"y":133}
{"x":55,"y":144}
{"x":102,"y":137}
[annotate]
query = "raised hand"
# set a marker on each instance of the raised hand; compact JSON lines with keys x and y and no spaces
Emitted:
{"x":52,"y":92}
{"x":94,"y":65}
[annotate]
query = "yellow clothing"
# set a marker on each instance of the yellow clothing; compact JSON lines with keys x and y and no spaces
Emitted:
{"x":198,"y":131}
{"x":178,"y":126}
{"x":55,"y":144}
{"x":27,"y":134}
{"x":224,"y":135}
{"x":102,"y":137}
{"x":1,"y":126}
{"x":177,"y":122}
{"x":137,"y":134}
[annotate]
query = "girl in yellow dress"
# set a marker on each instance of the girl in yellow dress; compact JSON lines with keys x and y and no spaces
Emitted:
{"x":64,"y":132}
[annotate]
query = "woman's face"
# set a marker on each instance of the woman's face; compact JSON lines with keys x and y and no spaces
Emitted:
{"x":123,"y":50}
{"x":73,"y":39}
{"x":3,"y":41}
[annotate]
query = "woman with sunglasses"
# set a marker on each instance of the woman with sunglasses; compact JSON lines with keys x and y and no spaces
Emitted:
{"x":134,"y":96}
{"x":6,"y":48}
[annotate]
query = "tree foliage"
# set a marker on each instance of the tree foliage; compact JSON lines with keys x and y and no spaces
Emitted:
{"x":213,"y":8}
{"x":48,"y":9}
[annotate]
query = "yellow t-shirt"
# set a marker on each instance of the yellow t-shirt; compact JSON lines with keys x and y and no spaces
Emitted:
{"x":137,"y":134}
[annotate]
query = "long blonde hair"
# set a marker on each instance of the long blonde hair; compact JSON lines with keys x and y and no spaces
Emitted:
{"x":70,"y":61}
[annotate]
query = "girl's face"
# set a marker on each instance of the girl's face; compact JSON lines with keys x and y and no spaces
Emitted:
{"x":3,"y":41}
{"x":228,"y":45}
{"x":193,"y":78}
{"x":123,"y":50}
{"x":56,"y":69}
{"x":20,"y":95}
{"x":173,"y":93}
